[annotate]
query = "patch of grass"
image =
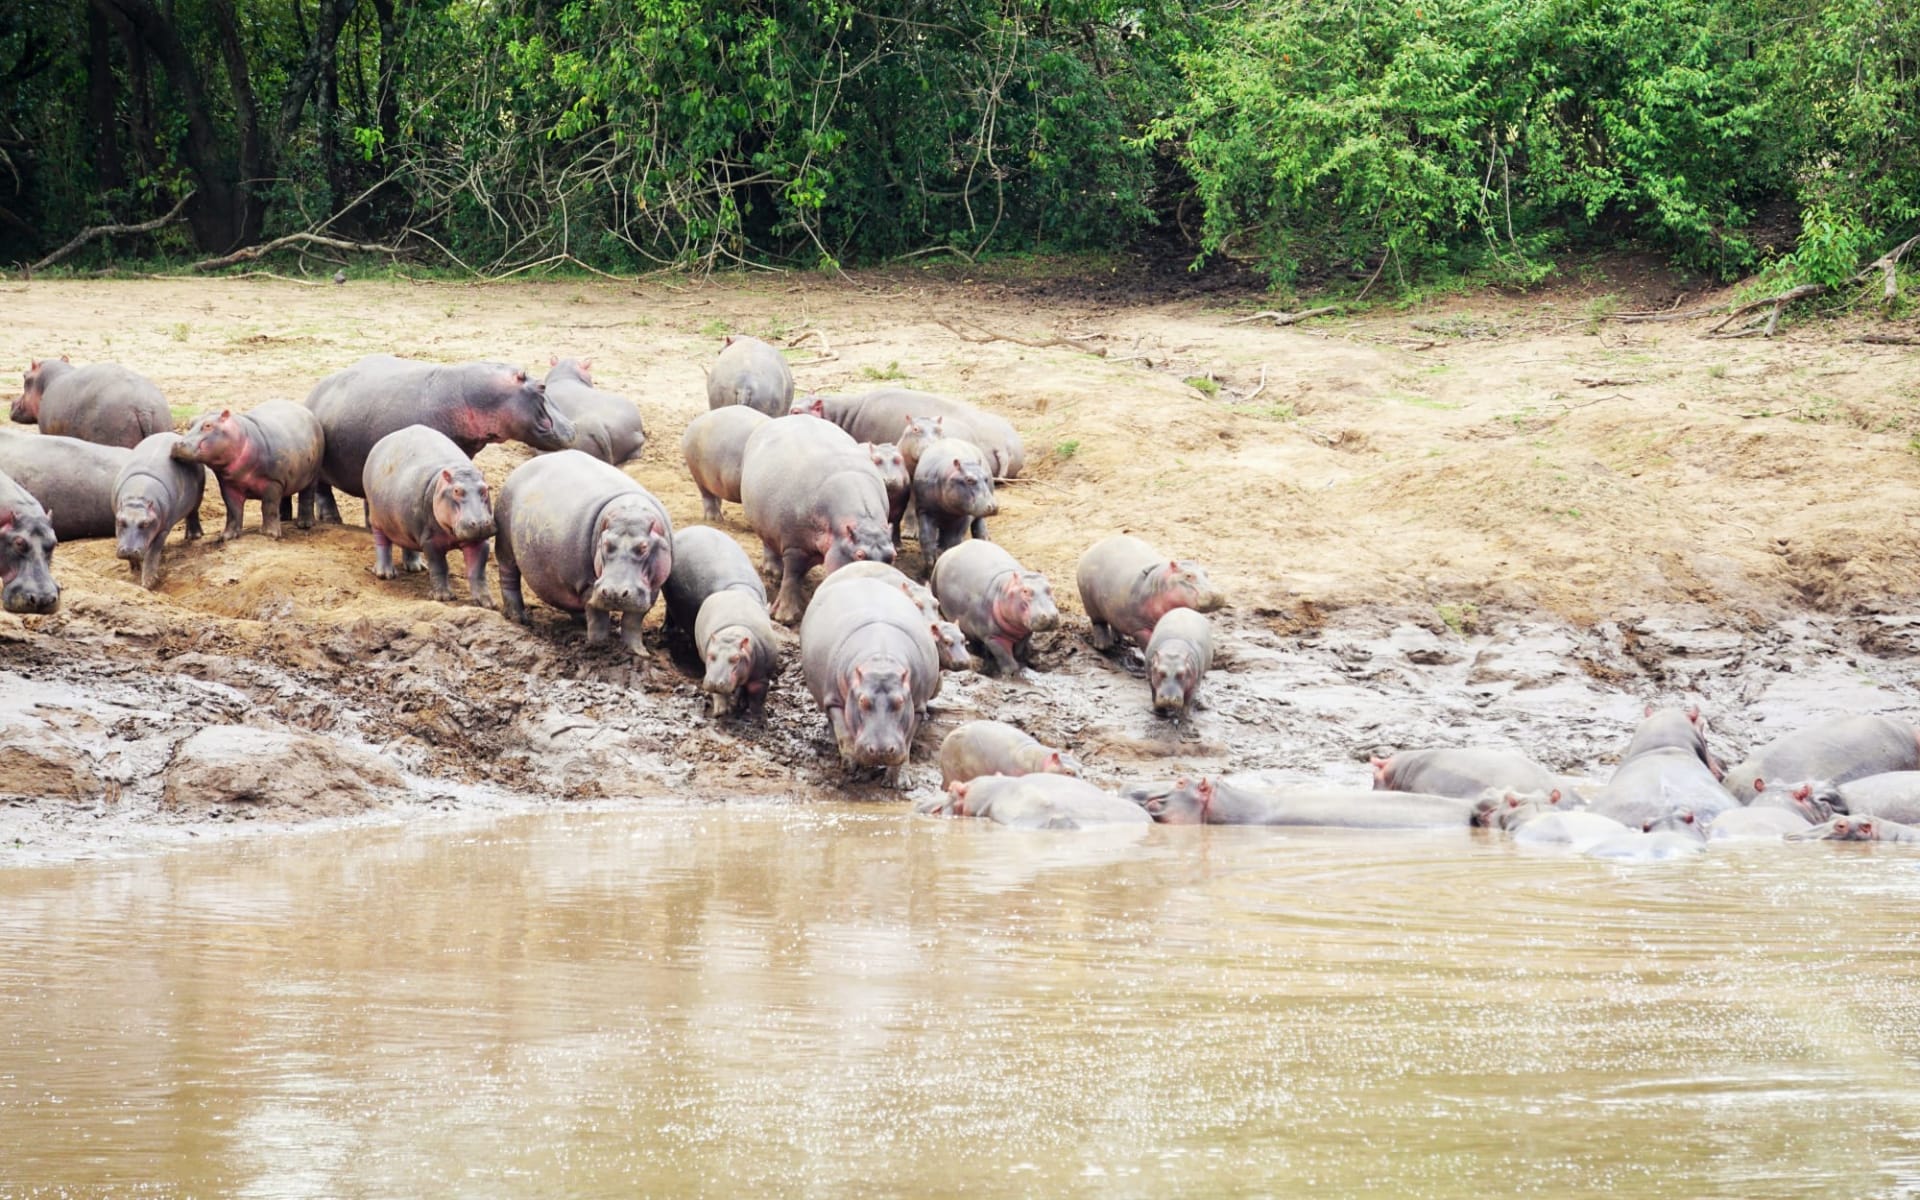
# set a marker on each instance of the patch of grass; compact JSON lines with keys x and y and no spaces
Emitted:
{"x":714,"y":328}
{"x":1066,"y":450}
{"x":1204,"y":385}
{"x":450,"y":310}
{"x":1816,"y":410}
{"x":890,"y":371}
{"x":179,"y":330}
{"x":1265,"y":412}
{"x":1421,"y":401}
{"x":577,"y":298}
{"x":182,"y":412}
{"x":1462,"y":619}
{"x":1597,"y":310}
{"x":1717,"y":371}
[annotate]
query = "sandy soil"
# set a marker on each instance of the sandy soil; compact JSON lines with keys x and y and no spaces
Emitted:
{"x":1451,"y":471}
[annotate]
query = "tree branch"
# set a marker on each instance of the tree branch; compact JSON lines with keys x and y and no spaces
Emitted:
{"x":249,"y":253}
{"x":87,"y":235}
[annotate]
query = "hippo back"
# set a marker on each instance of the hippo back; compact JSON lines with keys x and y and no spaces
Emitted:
{"x":833,"y":630}
{"x":104,"y":403}
{"x":72,"y":479}
{"x":706,"y":561}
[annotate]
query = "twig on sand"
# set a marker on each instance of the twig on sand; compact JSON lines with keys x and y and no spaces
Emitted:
{"x":277,"y":275}
{"x":803,"y":335}
{"x":1594,"y":383}
{"x":87,"y":235}
{"x":1888,"y":339}
{"x":1256,"y":391}
{"x":1284,"y":318}
{"x":983,"y":335}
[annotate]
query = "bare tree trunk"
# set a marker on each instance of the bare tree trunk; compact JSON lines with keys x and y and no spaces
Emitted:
{"x":101,"y":86}
{"x":254,"y":167}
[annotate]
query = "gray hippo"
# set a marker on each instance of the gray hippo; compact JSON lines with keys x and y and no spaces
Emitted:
{"x":996,"y":748}
{"x":1209,"y":801}
{"x":426,"y":497}
{"x":1894,"y":795}
{"x":1838,"y":750}
{"x":1665,"y":769}
{"x":26,"y":552}
{"x":994,"y":600}
{"x":1466,"y":772}
{"x":814,"y":498}
{"x":604,"y":425}
{"x":1756,"y":824}
{"x":715,"y":595}
{"x":475,"y":404}
{"x":1857,"y":829}
{"x":896,"y":478}
{"x":1126,"y":586}
{"x":270,"y":454}
{"x":1813,"y":802}
{"x":1636,"y":847}
{"x":152,"y":492}
{"x":952,"y":493}
{"x":101,"y":402}
{"x":1674,"y":729}
{"x":1038,"y":801}
{"x":715,"y":445}
{"x":751,"y":374}
{"x":586,"y":538}
{"x":881,"y":416}
{"x":72,"y":479}
{"x":705,"y":561}
{"x":1179,"y":654}
{"x":1573,"y":829}
{"x":947,"y":637}
{"x":871,"y":666}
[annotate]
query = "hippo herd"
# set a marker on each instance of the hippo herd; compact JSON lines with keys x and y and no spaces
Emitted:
{"x":828,"y":481}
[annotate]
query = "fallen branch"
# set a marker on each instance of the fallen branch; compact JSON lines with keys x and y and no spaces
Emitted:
{"x":1282,"y":318}
{"x":1888,"y":339}
{"x":1248,"y":398}
{"x":1887,"y":263}
{"x":986,"y":335}
{"x":87,"y":235}
{"x":825,"y":349}
{"x":249,"y":253}
{"x":1594,"y":383}
{"x":1772,"y":322}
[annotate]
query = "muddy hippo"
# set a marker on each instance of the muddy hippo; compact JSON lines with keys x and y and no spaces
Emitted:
{"x":1857,"y":829}
{"x":1126,"y":586}
{"x":952,"y":493}
{"x":73,"y":481}
{"x":604,"y":425}
{"x":1838,"y":750}
{"x":1209,"y":801}
{"x":270,"y":454}
{"x":898,"y":481}
{"x":475,"y":404}
{"x":996,"y":748}
{"x":1037,"y":801}
{"x":1466,"y":772}
{"x":152,"y":492}
{"x":813,"y":497}
{"x":586,"y":538}
{"x":1666,"y":768}
{"x":1894,"y":795}
{"x":994,"y":600}
{"x":881,"y":416}
{"x":715,"y":444}
{"x":26,"y":552}
{"x":947,"y":637}
{"x":1179,"y":654}
{"x":102,"y":402}
{"x":753,"y":375}
{"x":1756,"y":824}
{"x":870,"y":665}
{"x":425,"y":496}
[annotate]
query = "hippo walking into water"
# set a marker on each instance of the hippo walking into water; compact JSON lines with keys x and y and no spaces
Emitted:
{"x":1126,"y":586}
{"x":871,"y":666}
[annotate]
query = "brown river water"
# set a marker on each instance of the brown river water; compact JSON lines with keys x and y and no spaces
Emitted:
{"x":838,"y":1000}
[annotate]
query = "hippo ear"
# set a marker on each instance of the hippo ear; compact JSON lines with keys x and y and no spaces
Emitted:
{"x":66,"y":358}
{"x":1693,"y":714}
{"x":852,"y":528}
{"x":859,"y":673}
{"x":1804,"y":791}
{"x":226,"y":414}
{"x":746,"y":643}
{"x":6,"y":521}
{"x":586,"y":364}
{"x":727,"y":340}
{"x":1864,"y":827}
{"x":553,"y":360}
{"x":1053,"y":760}
{"x":1648,"y":712}
{"x":1759,"y":785}
{"x":1553,"y":797}
{"x":446,"y":476}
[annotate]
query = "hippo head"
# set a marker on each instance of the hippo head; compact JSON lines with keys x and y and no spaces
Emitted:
{"x":525,"y":415}
{"x":879,"y":714}
{"x":892,"y":466}
{"x":632,"y":555}
{"x":859,"y":539}
{"x":1023,"y":601}
{"x":1682,"y":728}
{"x":1503,"y":808}
{"x":1840,"y":829}
{"x":1680,"y":820}
{"x":40,"y":373}
{"x":1180,"y":584}
{"x":954,"y":802}
{"x":1058,"y":762}
{"x":1185,"y":801}
{"x":1173,"y":673}
{"x":729,"y":655}
{"x":808,"y":406}
{"x":965,"y":485}
{"x":135,"y":524}
{"x":214,"y":439}
{"x":579,"y":370}
{"x":26,"y":561}
{"x":461,"y":504}
{"x":1817,"y":801}
{"x":952,"y":645}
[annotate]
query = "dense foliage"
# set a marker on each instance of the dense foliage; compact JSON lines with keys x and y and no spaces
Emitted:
{"x":1388,"y":138}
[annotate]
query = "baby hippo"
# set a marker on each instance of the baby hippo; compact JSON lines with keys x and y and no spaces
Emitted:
{"x":1126,"y":586}
{"x":425,"y":496}
{"x":898,"y":477}
{"x":1178,"y":654}
{"x":269,"y":454}
{"x":714,"y":445}
{"x":152,"y":492}
{"x":952,"y":490}
{"x":1039,"y":801}
{"x":994,"y":600}
{"x":714,"y":594}
{"x":996,"y":748}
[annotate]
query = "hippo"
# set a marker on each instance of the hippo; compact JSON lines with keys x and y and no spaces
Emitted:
{"x":1857,"y":829}
{"x":587,"y":538}
{"x":27,"y":540}
{"x":604,"y":425}
{"x":475,"y":404}
{"x":870,"y":665}
{"x":72,"y":479}
{"x":1210,"y":801}
{"x":1666,"y":767}
{"x":921,"y":432}
{"x":706,"y":561}
{"x":1894,"y":795}
{"x":1033,"y":801}
{"x":898,"y":480}
{"x":1179,"y":653}
{"x":994,"y":600}
{"x":1839,"y":751}
{"x":269,"y":454}
{"x":152,"y":492}
{"x":715,"y":444}
{"x":1502,"y":808}
{"x":952,"y":492}
{"x":1465,"y":773}
{"x":881,"y":416}
{"x":1761,"y":822}
{"x":1126,"y":586}
{"x":1575,"y":829}
{"x":813,"y":497}
{"x":1638,"y":847}
{"x":751,"y":374}
{"x":947,"y":637}
{"x":426,"y":497}
{"x":1813,"y":802}
{"x":735,"y":640}
{"x":996,"y":748}
{"x":102,"y":402}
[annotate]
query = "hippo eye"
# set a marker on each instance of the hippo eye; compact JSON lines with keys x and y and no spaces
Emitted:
{"x":20,"y":544}
{"x":866,"y":704}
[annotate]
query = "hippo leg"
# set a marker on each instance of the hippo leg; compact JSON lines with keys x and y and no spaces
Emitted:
{"x":383,"y":557}
{"x":1001,"y":649}
{"x":719,"y":704}
{"x":270,"y":506}
{"x":152,"y":564}
{"x":412,"y":560}
{"x":286,"y":505}
{"x":476,"y":555}
{"x":194,"y":531}
{"x":630,"y":631}
{"x":1102,"y":636}
{"x":929,"y":542}
{"x":793,"y":576}
{"x":709,"y":508}
{"x":236,"y":513}
{"x":837,"y":721}
{"x":599,"y":626}
{"x":770,"y":559}
{"x":511,"y":601}
{"x":1023,"y":650}
{"x":306,"y":509}
{"x":327,"y":508}
{"x":440,"y":579}
{"x":980,"y":529}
